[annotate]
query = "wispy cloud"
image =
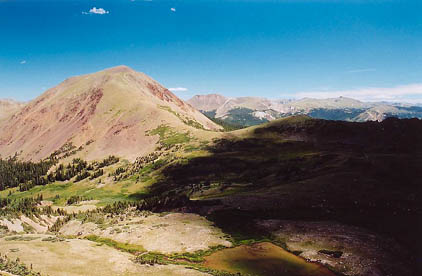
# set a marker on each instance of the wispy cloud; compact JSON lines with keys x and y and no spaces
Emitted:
{"x":95,"y":10}
{"x":402,"y":93}
{"x":362,"y":70}
{"x":173,"y":9}
{"x":23,"y":62}
{"x":178,"y":89}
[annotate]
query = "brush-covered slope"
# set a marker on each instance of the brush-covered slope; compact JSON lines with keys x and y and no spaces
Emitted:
{"x":108,"y":112}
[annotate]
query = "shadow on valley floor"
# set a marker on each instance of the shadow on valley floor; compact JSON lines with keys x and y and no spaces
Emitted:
{"x":364,"y":174}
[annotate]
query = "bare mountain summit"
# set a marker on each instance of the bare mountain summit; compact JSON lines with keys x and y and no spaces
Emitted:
{"x":108,"y":112}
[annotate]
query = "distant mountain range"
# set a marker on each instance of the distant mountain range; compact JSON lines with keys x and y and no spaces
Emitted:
{"x":9,"y":106}
{"x":248,"y":111}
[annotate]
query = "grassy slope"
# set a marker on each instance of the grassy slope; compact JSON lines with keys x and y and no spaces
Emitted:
{"x":178,"y":145}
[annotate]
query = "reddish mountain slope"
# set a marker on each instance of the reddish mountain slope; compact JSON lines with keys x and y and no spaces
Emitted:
{"x":108,"y":112}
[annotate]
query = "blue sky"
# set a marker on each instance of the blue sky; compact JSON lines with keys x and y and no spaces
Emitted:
{"x":367,"y":49}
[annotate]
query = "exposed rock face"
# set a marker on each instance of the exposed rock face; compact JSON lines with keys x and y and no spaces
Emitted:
{"x":252,"y":103}
{"x":207,"y":102}
{"x":108,"y":112}
{"x":380,"y":112}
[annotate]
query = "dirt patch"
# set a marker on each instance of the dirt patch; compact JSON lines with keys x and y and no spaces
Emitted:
{"x":46,"y":203}
{"x":171,"y":233}
{"x":75,"y":257}
{"x":13,"y":225}
{"x":37,"y":227}
{"x":26,"y":224}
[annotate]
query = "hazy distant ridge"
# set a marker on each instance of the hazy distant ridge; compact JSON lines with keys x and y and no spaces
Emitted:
{"x":254,"y":110}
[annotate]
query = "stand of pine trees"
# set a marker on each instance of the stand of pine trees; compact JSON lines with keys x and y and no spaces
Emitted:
{"x":108,"y":161}
{"x":14,"y":172}
{"x":26,"y":175}
{"x":27,"y":206}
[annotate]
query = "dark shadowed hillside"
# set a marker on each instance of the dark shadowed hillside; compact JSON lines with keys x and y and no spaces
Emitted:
{"x":363,"y":174}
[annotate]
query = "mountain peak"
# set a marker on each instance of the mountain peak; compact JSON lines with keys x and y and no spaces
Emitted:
{"x":114,"y":108}
{"x":119,"y":69}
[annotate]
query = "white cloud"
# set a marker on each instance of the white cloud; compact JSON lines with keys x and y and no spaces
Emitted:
{"x":402,"y":93}
{"x":178,"y":89}
{"x":173,"y":9}
{"x":23,"y":62}
{"x":95,"y":10}
{"x":362,"y":70}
